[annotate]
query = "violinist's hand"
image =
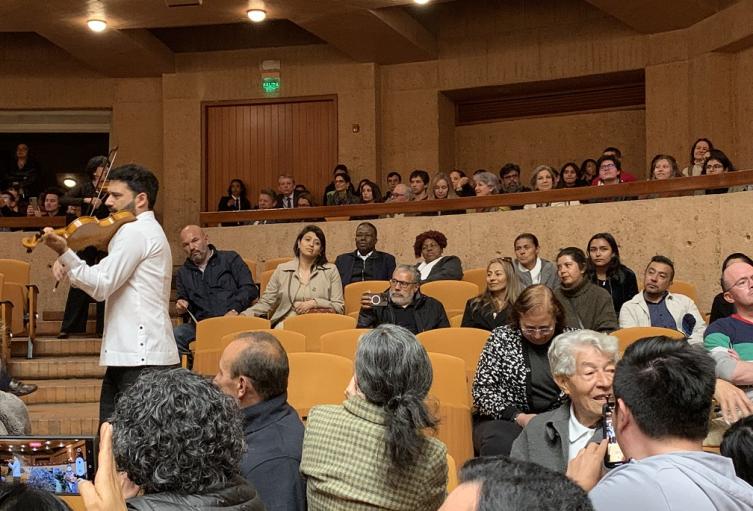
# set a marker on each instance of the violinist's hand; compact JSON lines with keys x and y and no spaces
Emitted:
{"x":59,"y":271}
{"x":55,"y":242}
{"x":94,"y":201}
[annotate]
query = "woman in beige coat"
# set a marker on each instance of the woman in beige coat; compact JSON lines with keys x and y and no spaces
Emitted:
{"x":306,"y":284}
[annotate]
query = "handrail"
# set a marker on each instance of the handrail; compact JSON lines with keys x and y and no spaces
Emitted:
{"x":32,"y":222}
{"x":634,"y":189}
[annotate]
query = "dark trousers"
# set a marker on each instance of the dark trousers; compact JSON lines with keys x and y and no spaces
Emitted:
{"x":77,"y":305}
{"x":491,"y":437}
{"x":4,"y":378}
{"x":116,"y":381}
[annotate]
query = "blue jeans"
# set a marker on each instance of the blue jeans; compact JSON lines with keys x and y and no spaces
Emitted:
{"x":184,"y":335}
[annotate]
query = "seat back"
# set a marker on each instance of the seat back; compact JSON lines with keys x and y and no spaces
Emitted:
{"x":17,"y":277}
{"x":207,"y":362}
{"x":451,"y":293}
{"x":342,"y":342}
{"x":210,"y":331}
{"x":316,"y":379}
{"x":271,"y":264}
{"x":464,"y":343}
{"x":292,"y":342}
{"x":456,"y":321}
{"x":627,"y":336}
{"x":452,"y":474}
{"x":315,"y":324}
{"x":684,"y":288}
{"x":450,"y":384}
{"x":16,"y":271}
{"x":251,"y":267}
{"x":476,"y":276}
{"x":264,"y":279}
{"x":354,"y":290}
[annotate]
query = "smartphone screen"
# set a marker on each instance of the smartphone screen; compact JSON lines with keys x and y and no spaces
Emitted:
{"x":52,"y":463}
{"x":614,"y":456}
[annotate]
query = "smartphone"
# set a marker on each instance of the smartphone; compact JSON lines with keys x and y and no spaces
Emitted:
{"x":34,"y":202}
{"x":51,"y":463}
{"x":614,"y":456}
{"x":377,"y":299}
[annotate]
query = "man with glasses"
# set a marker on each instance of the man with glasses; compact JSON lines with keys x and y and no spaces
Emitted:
{"x":403,"y":305}
{"x":730,"y":340}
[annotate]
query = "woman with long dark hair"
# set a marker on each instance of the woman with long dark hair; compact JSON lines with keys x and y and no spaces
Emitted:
{"x":605,"y":269}
{"x":236,"y":199}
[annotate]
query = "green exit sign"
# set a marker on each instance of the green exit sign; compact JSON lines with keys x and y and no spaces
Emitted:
{"x":271,"y":84}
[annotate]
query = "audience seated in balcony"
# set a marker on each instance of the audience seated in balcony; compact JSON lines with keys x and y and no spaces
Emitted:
{"x":339,"y":169}
{"x":663,"y":390}
{"x":582,"y":363}
{"x":10,"y":204}
{"x":419,"y":184}
{"x":718,"y":163}
{"x":529,"y":267}
{"x":509,"y":176}
{"x":285,"y":192}
{"x":48,"y":204}
{"x":721,"y":308}
{"x":24,"y":174}
{"x":402,"y":304}
{"x":365,"y":262}
{"x":429,"y":246}
{"x":570,"y":176}
{"x":393,"y":179}
{"x":461,"y":183}
{"x":513,"y":382}
{"x":369,"y":192}
{"x":589,"y":170}
{"x":586,"y":304}
{"x":306,"y":284}
{"x":236,"y":199}
{"x":699,"y":152}
{"x":657,"y":306}
{"x":609,"y":174}
{"x":607,"y":271}
{"x":543,"y":179}
{"x":614,"y":152}
{"x":267,"y":200}
{"x":343,"y":192}
{"x":664,"y":166}
{"x":373,"y":451}
{"x":486,"y":184}
{"x":491,"y":308}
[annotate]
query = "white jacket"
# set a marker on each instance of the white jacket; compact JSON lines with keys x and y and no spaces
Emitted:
{"x":635,"y":313}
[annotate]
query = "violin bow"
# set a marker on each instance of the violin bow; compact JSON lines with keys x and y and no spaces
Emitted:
{"x":100,"y":186}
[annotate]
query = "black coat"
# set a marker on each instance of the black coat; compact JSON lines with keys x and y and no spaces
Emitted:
{"x":237,"y":495}
{"x":483,"y":318}
{"x":222,"y":205}
{"x":448,"y":268}
{"x":226,"y":284}
{"x":382,"y":265}
{"x":428,"y":313}
{"x":622,"y":285}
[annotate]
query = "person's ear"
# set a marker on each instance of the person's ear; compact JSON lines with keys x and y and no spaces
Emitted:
{"x":728,"y":297}
{"x":623,"y":416}
{"x":562,"y":383}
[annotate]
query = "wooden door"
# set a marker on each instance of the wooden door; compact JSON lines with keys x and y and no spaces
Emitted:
{"x":258,"y":141}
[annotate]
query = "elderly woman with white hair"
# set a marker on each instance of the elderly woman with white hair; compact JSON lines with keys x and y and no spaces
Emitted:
{"x":582,"y":363}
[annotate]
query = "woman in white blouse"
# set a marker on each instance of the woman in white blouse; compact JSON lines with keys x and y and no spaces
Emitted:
{"x":429,"y":246}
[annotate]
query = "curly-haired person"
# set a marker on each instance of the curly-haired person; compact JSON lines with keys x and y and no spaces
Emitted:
{"x":178,"y":438}
{"x":433,"y":265}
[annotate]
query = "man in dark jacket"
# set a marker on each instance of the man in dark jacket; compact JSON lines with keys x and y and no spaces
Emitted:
{"x":254,"y":371}
{"x":403,"y":305}
{"x":210,"y":283}
{"x":365,"y":263}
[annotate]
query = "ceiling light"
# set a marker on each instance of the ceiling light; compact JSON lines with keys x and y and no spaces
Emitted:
{"x":421,"y":2}
{"x":257,"y":15}
{"x":69,"y":183}
{"x":97,"y":25}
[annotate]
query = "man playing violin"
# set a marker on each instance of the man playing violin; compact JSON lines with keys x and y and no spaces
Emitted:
{"x":134,"y":279}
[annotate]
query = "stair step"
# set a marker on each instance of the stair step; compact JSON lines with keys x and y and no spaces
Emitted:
{"x":52,"y":327}
{"x":48,"y":368}
{"x":52,"y":347}
{"x":64,"y":419}
{"x":79,"y":390}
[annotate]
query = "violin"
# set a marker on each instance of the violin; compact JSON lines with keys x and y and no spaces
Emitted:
{"x":86,"y":231}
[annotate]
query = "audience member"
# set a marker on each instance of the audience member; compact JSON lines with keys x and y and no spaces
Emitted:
{"x":300,"y":188}
{"x":543,"y":179}
{"x":236,"y":199}
{"x":419,"y":183}
{"x":50,"y":204}
{"x":179,"y":439}
{"x":369,"y":192}
{"x":23,"y":174}
{"x":305,"y":200}
{"x":486,"y":184}
{"x":582,"y":363}
{"x":401,"y":193}
{"x":586,"y":304}
{"x":342,"y":193}
{"x":491,"y":308}
{"x":730,"y":340}
{"x":607,"y":271}
{"x":10,"y":203}
{"x":254,"y":370}
{"x":721,"y":308}
{"x":339,"y":170}
{"x":210,"y":283}
{"x":570,"y":176}
{"x":393,"y":179}
{"x":24,"y":497}
{"x":429,"y":246}
{"x":403,"y":305}
{"x":267,"y":199}
{"x":699,"y":151}
{"x":657,"y":306}
{"x":497,"y":482}
{"x":513,"y":382}
{"x":441,"y":187}
{"x":663,"y":390}
{"x":610,"y":170}
{"x":365,"y":262}
{"x":86,"y":195}
{"x":461,"y":184}
{"x":737,"y":445}
{"x":529,"y":267}
{"x":509,"y":175}
{"x":614,"y":152}
{"x":285,"y":192}
{"x":718,"y":163}
{"x":306,"y":284}
{"x":372,"y":451}
{"x":589,"y":170}
{"x":663,"y":166}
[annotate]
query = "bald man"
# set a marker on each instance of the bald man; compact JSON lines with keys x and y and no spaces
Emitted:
{"x":210,"y":283}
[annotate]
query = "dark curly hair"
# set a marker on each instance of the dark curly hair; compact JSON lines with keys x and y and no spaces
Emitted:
{"x":174,"y":431}
{"x":437,"y":236}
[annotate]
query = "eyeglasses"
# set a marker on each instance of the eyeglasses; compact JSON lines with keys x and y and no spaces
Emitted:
{"x":546,"y":330}
{"x":401,"y":283}
{"x":742,"y":283}
{"x":714,"y":166}
{"x":606,"y":166}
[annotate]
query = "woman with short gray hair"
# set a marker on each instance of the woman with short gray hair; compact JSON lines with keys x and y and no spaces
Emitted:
{"x":582,"y":363}
{"x":372,"y":451}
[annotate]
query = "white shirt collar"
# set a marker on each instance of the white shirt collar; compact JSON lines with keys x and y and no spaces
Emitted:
{"x":578,"y":434}
{"x":364,"y":257}
{"x":425,"y":268}
{"x":536,"y":272}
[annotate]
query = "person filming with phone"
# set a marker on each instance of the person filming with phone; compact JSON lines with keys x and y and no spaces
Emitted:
{"x":663,"y":392}
{"x":402,"y":304}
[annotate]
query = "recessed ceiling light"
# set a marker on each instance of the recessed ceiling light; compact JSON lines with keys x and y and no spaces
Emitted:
{"x":69,"y":183}
{"x":97,"y":25}
{"x":257,"y":15}
{"x":421,"y":2}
